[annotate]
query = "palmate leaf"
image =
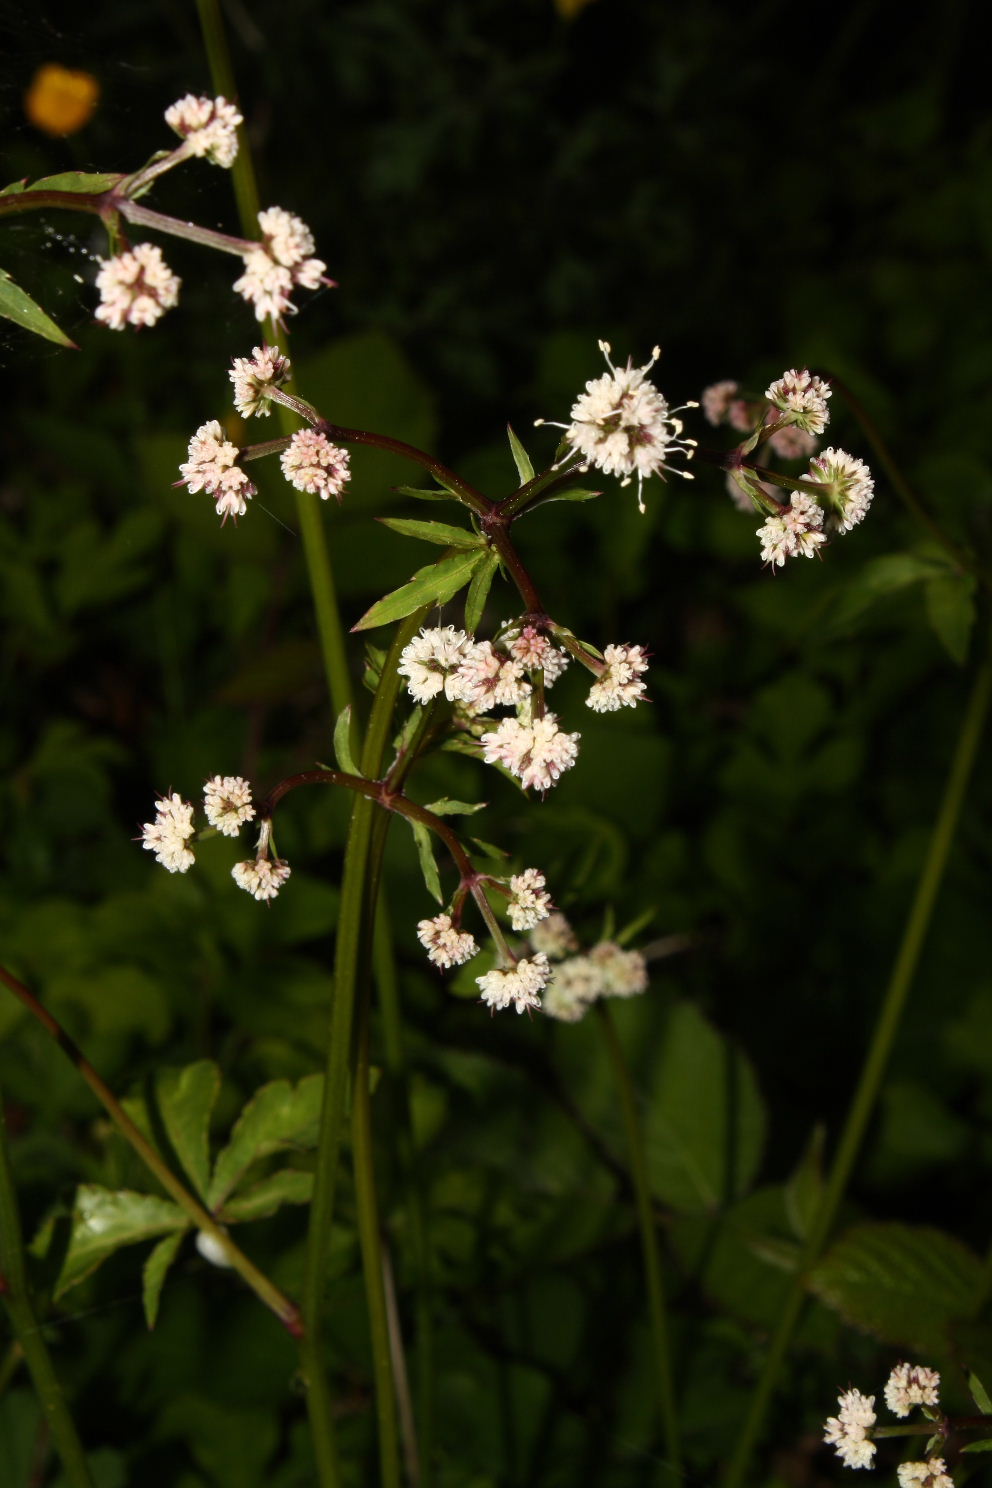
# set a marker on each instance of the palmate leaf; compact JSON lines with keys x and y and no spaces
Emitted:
{"x":19,"y":307}
{"x":103,"y":1220}
{"x":259,"y":1200}
{"x":186,"y":1100}
{"x":434,"y":585}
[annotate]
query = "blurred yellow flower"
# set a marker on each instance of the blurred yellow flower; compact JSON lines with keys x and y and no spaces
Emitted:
{"x":568,"y":9}
{"x":59,"y":101}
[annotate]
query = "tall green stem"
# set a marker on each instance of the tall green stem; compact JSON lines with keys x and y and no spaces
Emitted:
{"x":649,"y":1242}
{"x":16,"y":1295}
{"x":876,"y":1061}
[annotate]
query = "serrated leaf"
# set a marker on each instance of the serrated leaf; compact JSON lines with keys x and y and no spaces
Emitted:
{"x":342,"y":742}
{"x":105,"y":1219}
{"x":186,"y":1100}
{"x":434,"y":585}
{"x":478,"y":590}
{"x":980,"y":1395}
{"x":277,"y":1115}
{"x":441,"y":533}
{"x":428,"y":867}
{"x":907,"y":1284}
{"x":950,"y":601}
{"x":82,"y":183}
{"x":154,"y":1274}
{"x":447,"y":807}
{"x":19,"y":307}
{"x":704,"y":1129}
{"x":287,"y":1186}
{"x":525,"y":470}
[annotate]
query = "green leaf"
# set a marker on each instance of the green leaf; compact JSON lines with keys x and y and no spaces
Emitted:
{"x":950,"y":601}
{"x":19,"y":307}
{"x":907,"y":1284}
{"x":421,"y":494}
{"x":342,"y":742}
{"x":154,"y":1273}
{"x":704,"y":1129}
{"x":570,"y":493}
{"x":447,"y":807}
{"x":82,"y":183}
{"x":428,"y":867}
{"x":521,"y":459}
{"x":104,"y":1219}
{"x":186,"y":1100}
{"x":478,"y":590}
{"x":286,"y":1186}
{"x":278,"y":1114}
{"x":434,"y":585}
{"x":805,"y":1188}
{"x":980,"y":1395}
{"x":441,"y":533}
{"x":985,"y":1445}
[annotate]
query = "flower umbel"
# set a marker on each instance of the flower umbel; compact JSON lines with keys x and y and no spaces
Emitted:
{"x":445,"y":945}
{"x":930,"y":1474}
{"x":227,"y":803}
{"x":261,"y":876}
{"x":909,"y":1385}
{"x":847,"y":484}
{"x":208,"y":125}
{"x":536,"y":753}
{"x":430,"y":663}
{"x":211,"y":466}
{"x":847,"y":1432}
{"x":136,"y":288}
{"x":279,"y":263}
{"x":169,"y":835}
{"x":530,"y":902}
{"x":312,"y":463}
{"x":796,"y":531}
{"x":619,"y":684}
{"x":253,"y":376}
{"x":801,"y":399}
{"x":521,"y":985}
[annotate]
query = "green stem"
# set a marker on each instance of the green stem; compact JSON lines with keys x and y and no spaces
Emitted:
{"x":284,"y":1309}
{"x":876,"y":1061}
{"x":649,"y":1242}
{"x":222,"y":76}
{"x":16,"y":1294}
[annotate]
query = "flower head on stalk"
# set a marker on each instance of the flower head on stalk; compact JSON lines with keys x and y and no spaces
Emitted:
{"x":529,"y":900}
{"x":909,"y":1385}
{"x":212,"y":466}
{"x":847,"y":1432}
{"x":227,"y":803}
{"x":535,"y":651}
{"x":521,"y":984}
{"x":261,"y":876}
{"x":170,"y":834}
{"x":619,"y":683}
{"x":278,"y":264}
{"x":209,"y":127}
{"x":253,"y":376}
{"x":488,"y":678}
{"x":801,"y":399}
{"x":622,"y":425}
{"x":445,"y":945}
{"x":796,"y":531}
{"x":430,"y":663}
{"x":847,"y":484}
{"x":312,"y":463}
{"x":930,"y":1474}
{"x":136,"y":288}
{"x":536,"y":752}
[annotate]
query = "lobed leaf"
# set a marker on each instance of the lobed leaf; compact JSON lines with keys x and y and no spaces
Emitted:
{"x":105,"y":1219}
{"x":277,"y":1114}
{"x":286,"y":1186}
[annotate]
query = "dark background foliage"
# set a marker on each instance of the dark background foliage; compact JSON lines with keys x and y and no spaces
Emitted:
{"x":495,"y":187}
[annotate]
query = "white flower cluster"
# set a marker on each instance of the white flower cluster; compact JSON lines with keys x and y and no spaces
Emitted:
{"x":722,"y":403}
{"x":261,"y":876}
{"x":801,"y":399}
{"x":209,"y":127}
{"x":227,"y":804}
{"x":578,"y":980}
{"x":530,"y":902}
{"x":212,"y":465}
{"x":849,"y":1431}
{"x":622,"y":425}
{"x":312,"y":463}
{"x":522,"y":984}
{"x":535,"y":750}
{"x":847,"y":487}
{"x":445,"y":945}
{"x":798,"y":529}
{"x":136,"y":288}
{"x":619,"y":684}
{"x":253,"y":376}
{"x":278,"y":264}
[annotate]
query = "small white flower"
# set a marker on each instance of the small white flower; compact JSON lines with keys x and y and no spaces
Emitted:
{"x":279,"y":263}
{"x":521,"y":985}
{"x":430,"y":663}
{"x":931,"y":1474}
{"x":530,"y":903}
{"x":536,"y":753}
{"x":261,"y":877}
{"x":796,"y":531}
{"x":847,"y":486}
{"x":847,"y":1432}
{"x":621,"y":973}
{"x":619,"y":684}
{"x":252,"y":376}
{"x":227,"y":803}
{"x":168,"y":836}
{"x":909,"y":1385}
{"x":716,"y":399}
{"x":445,"y":945}
{"x":534,"y":650}
{"x":623,"y":426}
{"x":802,"y":399}
{"x":554,"y":936}
{"x":136,"y":288}
{"x":211,"y":466}
{"x":575,"y":984}
{"x":208,"y":125}
{"x":312,"y":463}
{"x":487,"y":678}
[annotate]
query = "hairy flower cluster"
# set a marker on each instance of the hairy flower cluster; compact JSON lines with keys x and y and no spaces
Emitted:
{"x":209,"y":127}
{"x":169,"y":835}
{"x":211,"y":466}
{"x":312,"y":463}
{"x":136,"y":288}
{"x":536,"y":651}
{"x":278,"y":264}
{"x":801,"y":399}
{"x":529,"y":900}
{"x":262,"y":876}
{"x":253,"y":376}
{"x":619,"y":684}
{"x":722,"y":403}
{"x":909,"y":1385}
{"x":605,"y":971}
{"x":848,"y":1431}
{"x":445,"y":945}
{"x":622,"y":425}
{"x":522,"y":984}
{"x":930,"y":1474}
{"x":536,"y":751}
{"x":430,"y":663}
{"x":796,"y":531}
{"x":847,"y":484}
{"x":227,"y":803}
